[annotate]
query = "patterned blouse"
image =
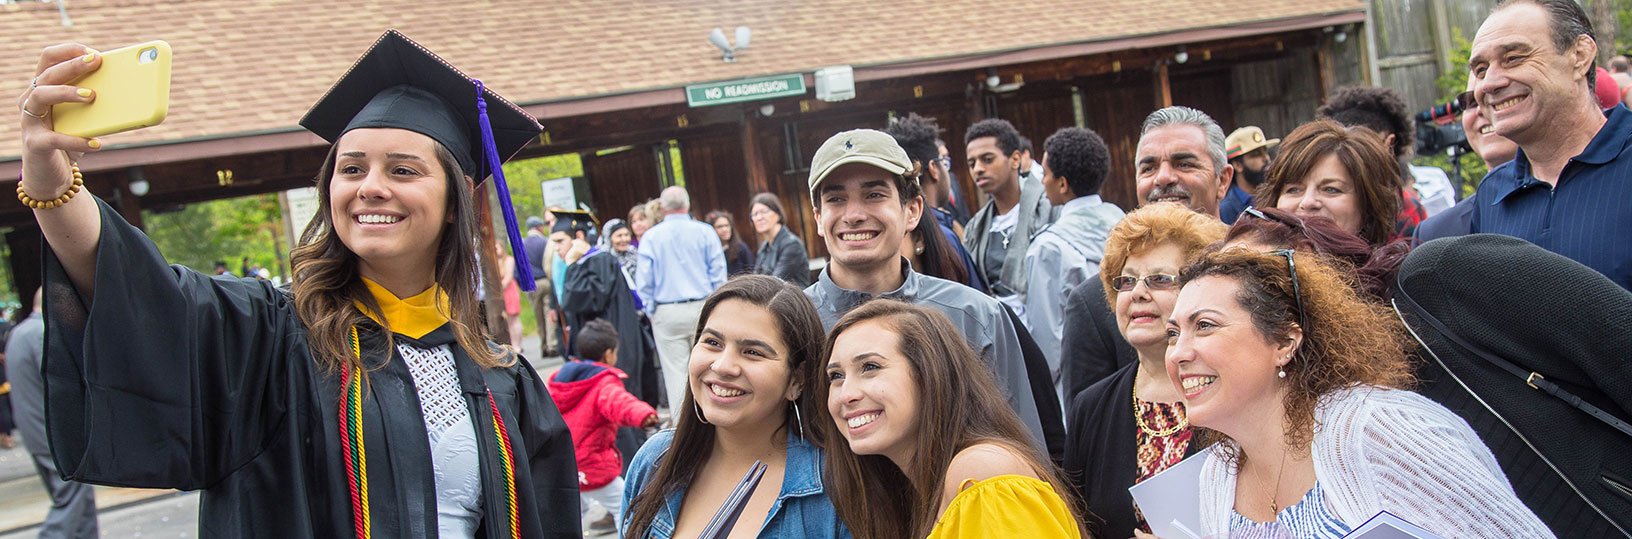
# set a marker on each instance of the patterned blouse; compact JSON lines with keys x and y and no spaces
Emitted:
{"x":1308,"y":519}
{"x":1157,"y":453}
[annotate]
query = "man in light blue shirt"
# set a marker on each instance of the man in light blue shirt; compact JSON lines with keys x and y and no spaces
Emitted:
{"x":681,"y":263}
{"x":1067,"y":253}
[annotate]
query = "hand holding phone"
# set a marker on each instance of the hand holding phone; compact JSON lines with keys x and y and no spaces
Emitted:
{"x":132,"y":89}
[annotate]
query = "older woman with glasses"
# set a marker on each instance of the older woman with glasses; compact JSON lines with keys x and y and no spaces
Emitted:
{"x":1265,"y":347}
{"x":1125,"y":428}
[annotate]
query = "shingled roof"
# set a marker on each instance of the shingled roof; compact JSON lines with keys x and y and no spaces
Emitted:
{"x":248,"y":67}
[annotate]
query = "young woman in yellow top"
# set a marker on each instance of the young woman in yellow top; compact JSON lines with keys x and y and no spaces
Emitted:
{"x":920,"y":440}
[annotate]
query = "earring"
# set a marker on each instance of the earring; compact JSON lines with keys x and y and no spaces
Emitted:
{"x":919,"y":249}
{"x":799,"y":420}
{"x":1281,"y":372}
{"x":698,"y":409}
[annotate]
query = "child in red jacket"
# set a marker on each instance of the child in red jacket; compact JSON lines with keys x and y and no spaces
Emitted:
{"x":589,"y":391}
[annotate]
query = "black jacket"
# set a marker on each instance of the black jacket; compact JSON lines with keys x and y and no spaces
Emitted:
{"x":1100,"y":453}
{"x":784,"y":257}
{"x":1094,"y":347}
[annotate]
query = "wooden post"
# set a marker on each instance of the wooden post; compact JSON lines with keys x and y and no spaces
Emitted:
{"x":1323,"y":72}
{"x":1164,"y":91}
{"x":497,"y":330}
{"x":758,"y":181}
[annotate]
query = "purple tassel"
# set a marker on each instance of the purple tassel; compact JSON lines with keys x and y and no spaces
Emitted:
{"x":524,"y":270}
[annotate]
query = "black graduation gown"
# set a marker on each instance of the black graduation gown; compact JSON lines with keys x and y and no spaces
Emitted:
{"x":1100,"y":459}
{"x":172,"y":379}
{"x":595,"y":287}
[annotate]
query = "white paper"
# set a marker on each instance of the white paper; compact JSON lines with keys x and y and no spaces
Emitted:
{"x":1385,"y":525}
{"x":1171,"y":499}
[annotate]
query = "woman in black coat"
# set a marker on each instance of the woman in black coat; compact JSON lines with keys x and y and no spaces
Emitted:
{"x":781,"y":254}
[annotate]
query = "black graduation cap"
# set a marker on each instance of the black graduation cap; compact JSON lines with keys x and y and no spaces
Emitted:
{"x":572,"y":221}
{"x":398,"y":83}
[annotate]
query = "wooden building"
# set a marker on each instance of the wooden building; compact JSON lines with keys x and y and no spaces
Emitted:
{"x":608,"y":80}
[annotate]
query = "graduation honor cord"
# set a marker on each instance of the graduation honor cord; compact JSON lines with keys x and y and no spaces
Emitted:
{"x":352,"y":450}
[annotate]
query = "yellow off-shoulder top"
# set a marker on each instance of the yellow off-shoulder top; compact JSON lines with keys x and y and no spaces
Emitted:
{"x":1006,"y":506}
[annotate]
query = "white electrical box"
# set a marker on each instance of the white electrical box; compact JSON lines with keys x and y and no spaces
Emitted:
{"x":835,"y":83}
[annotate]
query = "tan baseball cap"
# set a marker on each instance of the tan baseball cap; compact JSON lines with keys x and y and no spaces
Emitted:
{"x":868,"y":146}
{"x":1246,"y":139}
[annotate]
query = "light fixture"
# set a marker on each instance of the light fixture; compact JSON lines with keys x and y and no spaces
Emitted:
{"x":138,"y":182}
{"x":1182,"y":56}
{"x":767,"y":109}
{"x":717,"y":37}
{"x":1341,"y":37}
{"x":992,"y":80}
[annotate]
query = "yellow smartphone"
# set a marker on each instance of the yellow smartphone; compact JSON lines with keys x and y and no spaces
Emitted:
{"x":132,"y":91}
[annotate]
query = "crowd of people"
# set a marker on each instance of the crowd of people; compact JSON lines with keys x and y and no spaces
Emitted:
{"x":943,"y":374}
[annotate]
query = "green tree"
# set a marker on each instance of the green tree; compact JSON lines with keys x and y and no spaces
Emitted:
{"x":227,"y":230}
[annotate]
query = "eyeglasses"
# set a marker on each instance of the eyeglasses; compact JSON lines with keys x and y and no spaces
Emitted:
{"x":1297,"y":295}
{"x":1154,"y":281}
{"x":1466,"y":100}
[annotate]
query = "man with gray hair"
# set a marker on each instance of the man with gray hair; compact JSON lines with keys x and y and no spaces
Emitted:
{"x":681,"y":263}
{"x":1180,"y":158}
{"x":73,"y":504}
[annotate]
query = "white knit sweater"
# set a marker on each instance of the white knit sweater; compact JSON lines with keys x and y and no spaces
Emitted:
{"x":1381,"y":449}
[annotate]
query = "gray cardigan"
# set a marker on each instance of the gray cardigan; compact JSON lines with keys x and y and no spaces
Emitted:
{"x":1035,"y":214}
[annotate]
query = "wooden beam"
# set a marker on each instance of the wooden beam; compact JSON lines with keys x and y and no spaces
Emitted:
{"x":1164,"y":88}
{"x":752,"y":165}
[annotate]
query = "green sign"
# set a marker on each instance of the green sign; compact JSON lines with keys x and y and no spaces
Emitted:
{"x":737,"y":91}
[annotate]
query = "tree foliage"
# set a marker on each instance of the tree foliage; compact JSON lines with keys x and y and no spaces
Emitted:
{"x":1451,"y":83}
{"x":226,"y":230}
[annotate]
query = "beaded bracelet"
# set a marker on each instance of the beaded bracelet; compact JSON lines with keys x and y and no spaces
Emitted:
{"x":73,"y":189}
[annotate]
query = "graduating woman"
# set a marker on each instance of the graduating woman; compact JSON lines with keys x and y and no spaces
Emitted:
{"x":364,"y":401}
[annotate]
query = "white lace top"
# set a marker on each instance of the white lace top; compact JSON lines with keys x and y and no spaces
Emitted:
{"x":454,"y":453}
{"x":1381,"y":449}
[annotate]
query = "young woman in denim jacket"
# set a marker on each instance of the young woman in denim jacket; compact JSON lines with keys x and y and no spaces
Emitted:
{"x":743,"y":404}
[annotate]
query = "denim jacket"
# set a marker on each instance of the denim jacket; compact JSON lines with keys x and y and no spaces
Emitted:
{"x":801,"y":508}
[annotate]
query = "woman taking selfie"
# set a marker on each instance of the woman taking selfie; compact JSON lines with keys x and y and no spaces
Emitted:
{"x":364,"y":401}
{"x":1305,"y":387}
{"x":919,"y":439}
{"x":742,"y":405}
{"x":1116,"y":441}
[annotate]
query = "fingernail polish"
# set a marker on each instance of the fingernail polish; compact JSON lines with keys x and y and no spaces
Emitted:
{"x":84,"y":92}
{"x":89,"y":57}
{"x":94,"y":144}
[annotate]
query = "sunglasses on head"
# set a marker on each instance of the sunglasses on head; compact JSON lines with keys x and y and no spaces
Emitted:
{"x":1297,"y":295}
{"x":1154,"y":281}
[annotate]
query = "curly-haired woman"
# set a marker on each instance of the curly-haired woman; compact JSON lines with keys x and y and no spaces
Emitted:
{"x":1268,"y":346}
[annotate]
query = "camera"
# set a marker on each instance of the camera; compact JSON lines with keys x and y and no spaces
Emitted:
{"x":1438,"y":128}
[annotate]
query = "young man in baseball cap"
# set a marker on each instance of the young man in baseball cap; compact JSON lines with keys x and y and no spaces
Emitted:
{"x":866,"y":197}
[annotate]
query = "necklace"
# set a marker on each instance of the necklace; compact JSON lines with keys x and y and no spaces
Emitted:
{"x":1140,"y":420}
{"x":1274,"y":509}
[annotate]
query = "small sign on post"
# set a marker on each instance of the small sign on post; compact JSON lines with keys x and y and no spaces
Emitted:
{"x":737,"y":91}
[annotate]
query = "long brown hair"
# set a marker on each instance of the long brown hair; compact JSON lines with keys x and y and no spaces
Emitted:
{"x":1373,"y":172}
{"x":730,"y":244}
{"x":326,"y":280}
{"x":801,"y":330}
{"x":961,"y":406}
{"x":1350,"y":340}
